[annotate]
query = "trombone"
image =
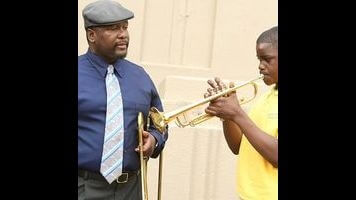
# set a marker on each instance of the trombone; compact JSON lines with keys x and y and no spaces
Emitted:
{"x":144,"y":159}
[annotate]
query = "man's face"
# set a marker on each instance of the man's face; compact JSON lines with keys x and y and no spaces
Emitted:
{"x":267,"y":54}
{"x":112,"y":41}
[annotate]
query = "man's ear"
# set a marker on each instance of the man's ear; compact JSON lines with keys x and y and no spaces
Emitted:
{"x":91,"y":35}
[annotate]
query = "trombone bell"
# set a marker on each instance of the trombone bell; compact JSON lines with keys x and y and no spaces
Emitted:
{"x":158,"y":120}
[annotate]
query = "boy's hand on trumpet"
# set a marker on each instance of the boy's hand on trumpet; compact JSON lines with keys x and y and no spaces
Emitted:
{"x":216,"y":87}
{"x":226,"y":107}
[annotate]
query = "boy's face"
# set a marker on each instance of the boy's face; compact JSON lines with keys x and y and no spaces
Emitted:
{"x":267,"y":54}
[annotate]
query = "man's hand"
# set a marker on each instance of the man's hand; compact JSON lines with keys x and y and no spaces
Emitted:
{"x":149,"y":143}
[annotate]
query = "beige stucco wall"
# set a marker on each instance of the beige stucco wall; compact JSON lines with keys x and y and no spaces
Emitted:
{"x":182,"y":44}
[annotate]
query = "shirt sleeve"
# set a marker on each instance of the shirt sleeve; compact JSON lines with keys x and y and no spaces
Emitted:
{"x":161,"y":138}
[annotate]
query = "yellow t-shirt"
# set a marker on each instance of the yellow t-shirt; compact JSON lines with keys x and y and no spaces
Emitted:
{"x":257,"y":179}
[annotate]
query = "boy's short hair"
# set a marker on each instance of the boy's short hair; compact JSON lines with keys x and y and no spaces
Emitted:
{"x":269,"y":36}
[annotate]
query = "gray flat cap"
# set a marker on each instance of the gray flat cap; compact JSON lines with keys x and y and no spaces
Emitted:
{"x":105,"y":12}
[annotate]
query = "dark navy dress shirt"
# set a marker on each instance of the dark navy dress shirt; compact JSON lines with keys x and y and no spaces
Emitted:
{"x":139,"y":95}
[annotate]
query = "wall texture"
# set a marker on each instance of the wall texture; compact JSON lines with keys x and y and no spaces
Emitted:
{"x":182,"y":44}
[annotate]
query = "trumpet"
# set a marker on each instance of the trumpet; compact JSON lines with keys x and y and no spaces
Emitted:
{"x":161,"y":120}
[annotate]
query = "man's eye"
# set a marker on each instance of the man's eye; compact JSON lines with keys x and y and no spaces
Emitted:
{"x":124,"y":27}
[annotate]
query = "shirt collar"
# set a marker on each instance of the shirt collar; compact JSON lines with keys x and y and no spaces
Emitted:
{"x":101,"y":65}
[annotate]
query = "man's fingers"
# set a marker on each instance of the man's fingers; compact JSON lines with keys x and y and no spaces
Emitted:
{"x":145,"y":134}
{"x":145,"y":147}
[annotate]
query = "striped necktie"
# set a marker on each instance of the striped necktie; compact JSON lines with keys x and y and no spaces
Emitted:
{"x":112,"y":157}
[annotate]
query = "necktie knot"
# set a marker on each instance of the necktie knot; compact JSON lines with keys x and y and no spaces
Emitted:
{"x":110,"y":69}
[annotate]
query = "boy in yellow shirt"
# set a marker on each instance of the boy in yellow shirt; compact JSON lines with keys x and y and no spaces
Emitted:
{"x":253,"y":136}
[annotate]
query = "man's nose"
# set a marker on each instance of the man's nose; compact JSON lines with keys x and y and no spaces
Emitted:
{"x":122,"y":33}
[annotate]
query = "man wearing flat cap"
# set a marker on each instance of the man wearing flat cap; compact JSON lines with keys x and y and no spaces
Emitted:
{"x":111,"y":93}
